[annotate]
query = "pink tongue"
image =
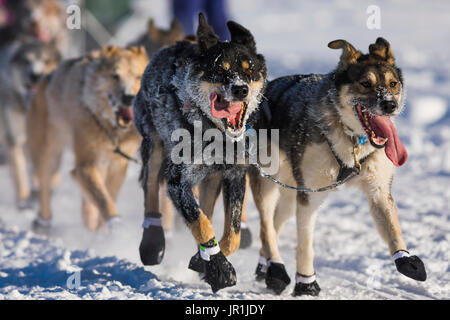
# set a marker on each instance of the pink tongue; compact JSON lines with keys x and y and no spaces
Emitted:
{"x":394,"y":148}
{"x":224,"y":109}
{"x":126,"y":114}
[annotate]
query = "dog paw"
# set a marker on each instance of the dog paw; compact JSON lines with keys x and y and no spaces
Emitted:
{"x":261,"y":271}
{"x":196,"y":264}
{"x":277,"y":278}
{"x":153,"y":244}
{"x":41,"y":226}
{"x":219,"y":273}
{"x":25,"y":204}
{"x":306,"y":289}
{"x":246,"y":237}
{"x":412,"y":267}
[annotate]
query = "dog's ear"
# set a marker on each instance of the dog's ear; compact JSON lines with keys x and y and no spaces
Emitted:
{"x":139,"y":50}
{"x":349,"y":54}
{"x":175,"y":27}
{"x":382,"y":49}
{"x":205,"y":34}
{"x":241,"y":35}
{"x":153,"y":31}
{"x":110,"y":51}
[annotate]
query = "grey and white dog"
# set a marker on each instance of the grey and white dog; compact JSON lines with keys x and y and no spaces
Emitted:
{"x":23,"y":65}
{"x":330,"y":125}
{"x":218,"y":85}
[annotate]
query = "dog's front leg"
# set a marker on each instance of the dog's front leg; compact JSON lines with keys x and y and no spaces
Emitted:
{"x":92,"y":182}
{"x":234,"y":192}
{"x":305,"y":279}
{"x":376,"y":185}
{"x":219,"y":273}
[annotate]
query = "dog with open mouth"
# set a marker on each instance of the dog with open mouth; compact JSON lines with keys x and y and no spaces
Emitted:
{"x":219,"y":85}
{"x":331,"y":125}
{"x":86,"y":104}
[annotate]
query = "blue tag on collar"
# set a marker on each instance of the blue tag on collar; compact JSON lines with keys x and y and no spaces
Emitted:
{"x":250,"y":130}
{"x":362,"y":140}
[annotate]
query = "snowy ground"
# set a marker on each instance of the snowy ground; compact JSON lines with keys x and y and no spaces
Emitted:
{"x":351,"y":260}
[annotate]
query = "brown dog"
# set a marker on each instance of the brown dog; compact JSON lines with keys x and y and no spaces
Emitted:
{"x":86,"y":102}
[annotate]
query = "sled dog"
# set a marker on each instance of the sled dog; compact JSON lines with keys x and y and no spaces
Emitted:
{"x":86,"y":103}
{"x":331,"y":125}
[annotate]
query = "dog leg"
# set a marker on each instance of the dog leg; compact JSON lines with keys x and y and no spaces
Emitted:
{"x":385,"y":214}
{"x":45,"y":153}
{"x":234,"y":196}
{"x":91,"y":215}
{"x":153,"y":243}
{"x":266,"y":195}
{"x":305,"y":220}
{"x":209,"y":191}
{"x":19,"y":174}
{"x":246,"y":235}
{"x":91,"y":179}
{"x":219,"y":273}
{"x":166,"y":208}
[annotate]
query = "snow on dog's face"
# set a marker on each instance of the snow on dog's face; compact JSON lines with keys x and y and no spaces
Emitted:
{"x":115,"y":78}
{"x":371,"y":92}
{"x":231,"y":76}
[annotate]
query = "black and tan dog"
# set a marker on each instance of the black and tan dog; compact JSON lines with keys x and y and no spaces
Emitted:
{"x":330,"y":125}
{"x":214,"y":85}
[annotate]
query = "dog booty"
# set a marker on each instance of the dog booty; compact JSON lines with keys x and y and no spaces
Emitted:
{"x":153,"y":244}
{"x":261,"y":269}
{"x":306,"y":286}
{"x":196,"y":263}
{"x":410,"y":266}
{"x":41,"y":226}
{"x":277,"y":278}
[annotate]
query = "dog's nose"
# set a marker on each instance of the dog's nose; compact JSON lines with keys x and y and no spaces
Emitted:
{"x":127,"y":99}
{"x":239,"y":92}
{"x":388,"y":106}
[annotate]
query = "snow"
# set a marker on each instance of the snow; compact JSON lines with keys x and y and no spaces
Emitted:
{"x":351,"y":260}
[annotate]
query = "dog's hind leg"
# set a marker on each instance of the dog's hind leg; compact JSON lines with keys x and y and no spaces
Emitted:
{"x":234,"y":197}
{"x":376,"y":183}
{"x":90,"y":214}
{"x":246,"y":235}
{"x":46,"y":147}
{"x":152,"y":246}
{"x":12,"y":118}
{"x":270,"y":266}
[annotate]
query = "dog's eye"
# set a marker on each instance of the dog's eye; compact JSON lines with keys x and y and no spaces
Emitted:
{"x":393,"y":84}
{"x":226,"y":65}
{"x":365,"y":84}
{"x":116,"y":77}
{"x":248,"y":72}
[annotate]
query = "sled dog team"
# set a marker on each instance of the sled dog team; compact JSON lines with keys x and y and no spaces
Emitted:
{"x":334,"y":128}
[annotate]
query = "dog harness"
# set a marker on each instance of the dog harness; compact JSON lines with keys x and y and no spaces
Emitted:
{"x":345,"y":173}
